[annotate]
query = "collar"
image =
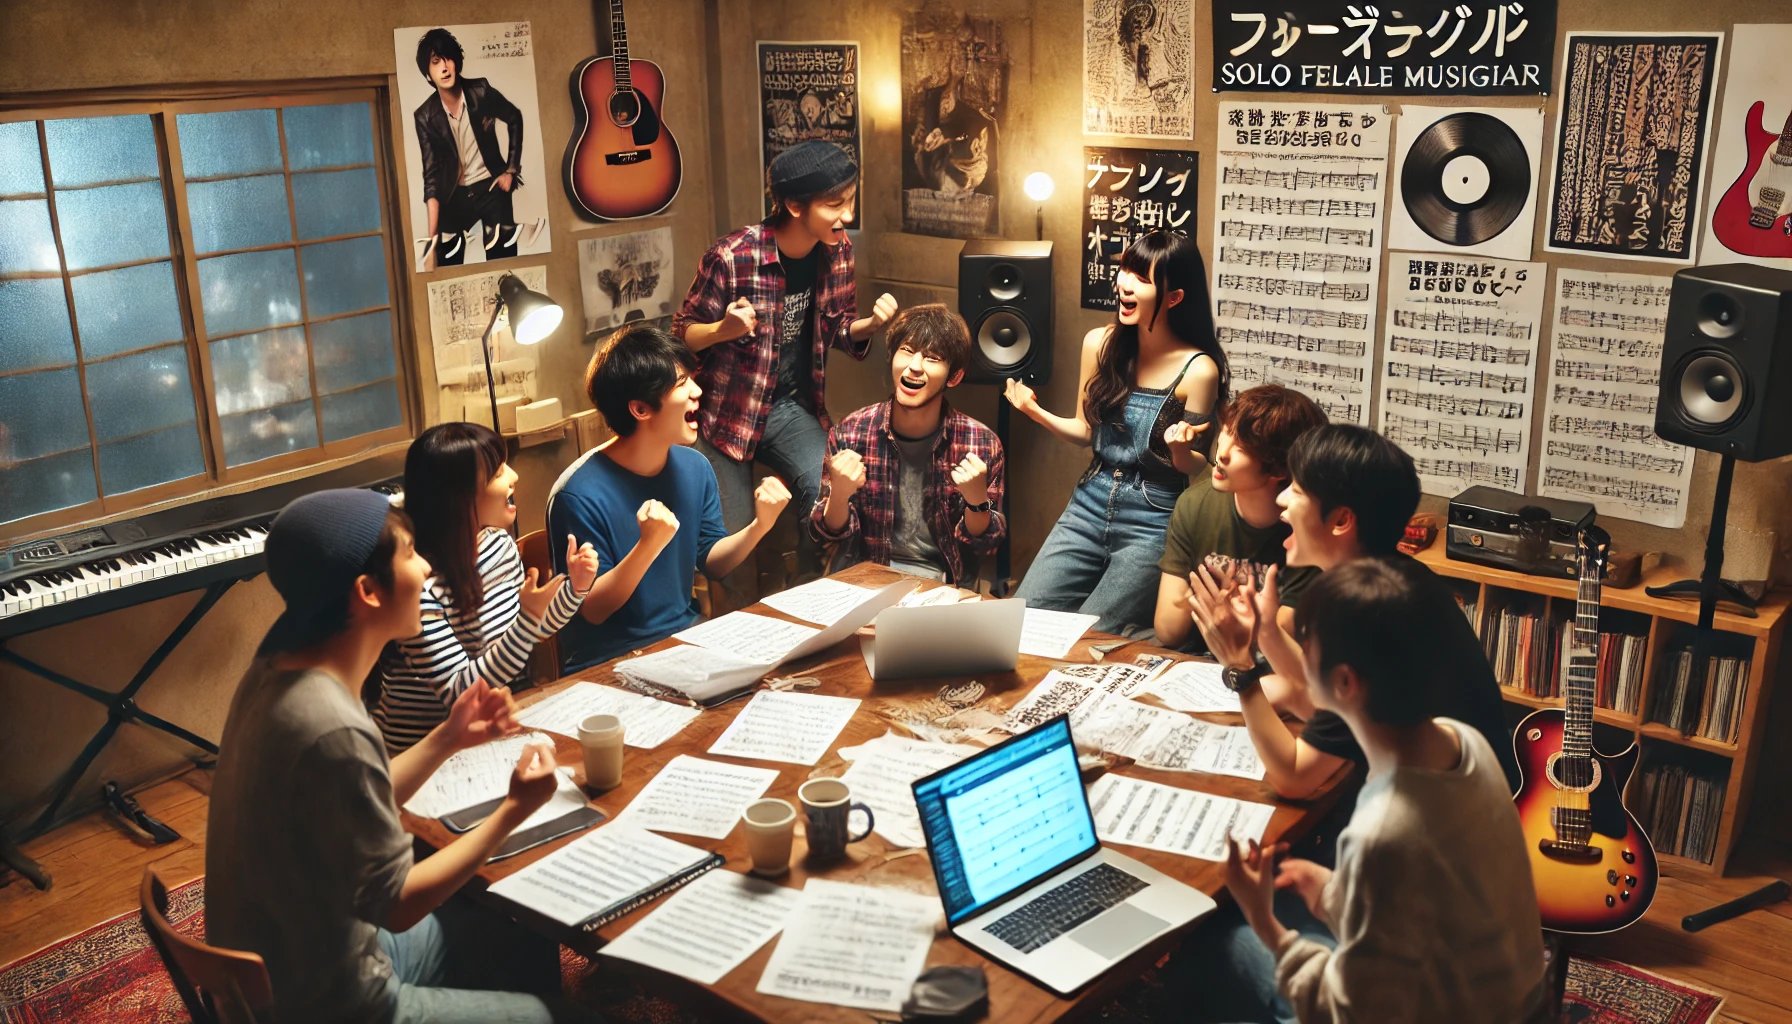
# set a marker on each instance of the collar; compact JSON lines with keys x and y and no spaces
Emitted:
{"x":763,"y":239}
{"x":886,"y":415}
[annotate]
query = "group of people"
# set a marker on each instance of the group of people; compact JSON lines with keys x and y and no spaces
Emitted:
{"x":1245,"y":526}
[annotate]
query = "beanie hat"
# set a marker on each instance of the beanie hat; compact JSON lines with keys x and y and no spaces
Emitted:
{"x":809,"y":169}
{"x":316,"y":549}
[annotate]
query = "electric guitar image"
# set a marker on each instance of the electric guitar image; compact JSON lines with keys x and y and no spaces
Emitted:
{"x":622,"y":161}
{"x":1594,"y":868}
{"x":1754,"y":217}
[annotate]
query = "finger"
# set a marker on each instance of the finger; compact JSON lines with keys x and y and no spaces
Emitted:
{"x":532,"y":574}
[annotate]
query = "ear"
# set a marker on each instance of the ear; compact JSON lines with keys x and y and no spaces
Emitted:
{"x":367,"y":593}
{"x":640,"y":410}
{"x":1173,"y":297}
{"x":795,"y":208}
{"x":1342,"y":522}
{"x":1346,"y":686}
{"x":956,"y":379}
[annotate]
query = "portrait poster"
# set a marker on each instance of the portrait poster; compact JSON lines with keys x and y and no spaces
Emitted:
{"x":495,"y":206}
{"x":808,"y":92}
{"x":625,"y":277}
{"x":954,"y":84}
{"x":1138,"y":68}
{"x":1750,"y":209}
{"x":459,"y":309}
{"x":1127,"y":192}
{"x":1630,"y":145}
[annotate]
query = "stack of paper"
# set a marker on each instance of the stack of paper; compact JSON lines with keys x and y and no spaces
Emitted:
{"x":695,"y":673}
{"x":600,"y":873}
{"x":756,"y":638}
{"x":709,"y":927}
{"x":1183,"y":821}
{"x":1049,"y":634}
{"x":783,"y":726}
{"x":698,"y":797}
{"x":1067,"y":688}
{"x":1094,"y":696}
{"x":646,"y":722}
{"x":1194,"y":686}
{"x":882,"y":775}
{"x":852,"y":945}
{"x":821,"y":601}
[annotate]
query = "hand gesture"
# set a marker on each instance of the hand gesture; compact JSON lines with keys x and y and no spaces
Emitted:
{"x":1227,"y":620}
{"x":882,"y":310}
{"x":739,"y":320}
{"x":971,"y":477}
{"x":846,"y":473}
{"x":657,"y":523}
{"x":535,"y":600}
{"x":1267,"y":602}
{"x":1306,"y":878}
{"x":1251,"y":878}
{"x":581,"y":565}
{"x":1183,"y":432}
{"x":1020,"y":396}
{"x":769,"y":499}
{"x":533,"y":782}
{"x":505,"y":181}
{"x":479,"y":714}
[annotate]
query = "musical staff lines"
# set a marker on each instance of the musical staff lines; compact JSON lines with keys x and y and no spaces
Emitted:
{"x":1627,"y":348}
{"x":1231,"y":337}
{"x":1607,"y":430}
{"x":1580,"y":289}
{"x":1623,"y":458}
{"x":1612,"y":320}
{"x":1466,"y":351}
{"x":1298,"y":316}
{"x":1352,"y":292}
{"x":1599,"y":398}
{"x":1431,"y":435}
{"x":1296,"y":181}
{"x":1308,"y":262}
{"x":1505,"y":384}
{"x":1473,"y":472}
{"x":1452,"y":323}
{"x":1629,"y":491}
{"x":1450,"y":405}
{"x":1257,"y":231}
{"x":1278,"y":206}
{"x":1609,"y":373}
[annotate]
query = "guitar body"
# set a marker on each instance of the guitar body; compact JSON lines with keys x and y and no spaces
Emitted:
{"x":1575,"y":889}
{"x":1730,"y":220}
{"x":623,"y":162}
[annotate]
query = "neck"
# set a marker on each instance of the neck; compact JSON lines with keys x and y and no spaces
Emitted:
{"x":451,"y":94}
{"x":1340,"y":550}
{"x":919,"y":421}
{"x":1159,"y":338}
{"x":1387,"y":747}
{"x":348,"y":656}
{"x":794,"y":240}
{"x":639,"y":453}
{"x":1258,"y":507}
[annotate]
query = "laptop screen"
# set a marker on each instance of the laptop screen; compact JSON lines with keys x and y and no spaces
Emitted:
{"x":1005,"y":818}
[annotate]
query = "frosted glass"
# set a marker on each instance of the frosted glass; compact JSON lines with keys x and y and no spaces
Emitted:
{"x":265,"y":433}
{"x":335,"y":135}
{"x":228,"y":142}
{"x":94,"y":150}
{"x":138,"y":393}
{"x":361,"y":411}
{"x":125,"y":309}
{"x":341,"y":277}
{"x":42,"y":413}
{"x":150,"y":459}
{"x":45,"y":485}
{"x":249,"y":291}
{"x":238,"y":213}
{"x":25,"y":239}
{"x":116,"y":224}
{"x":21,"y":162}
{"x":353,"y":351}
{"x":255,"y":371}
{"x":336,"y":202}
{"x":34,"y":331}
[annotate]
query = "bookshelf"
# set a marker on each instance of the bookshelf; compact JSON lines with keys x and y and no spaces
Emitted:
{"x":1666,"y":621}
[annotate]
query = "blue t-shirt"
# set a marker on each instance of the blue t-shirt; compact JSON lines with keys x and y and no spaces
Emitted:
{"x":597,"y":505}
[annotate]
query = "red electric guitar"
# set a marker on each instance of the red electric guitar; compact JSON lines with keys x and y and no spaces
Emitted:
{"x":1754,"y":217}
{"x":622,"y":162}
{"x":1594,"y":868}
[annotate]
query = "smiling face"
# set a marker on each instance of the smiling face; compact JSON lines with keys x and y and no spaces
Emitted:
{"x":1317,"y":538}
{"x":1137,"y":297}
{"x":675,"y":422}
{"x":1236,"y":470}
{"x":826,"y":218}
{"x":396,"y":612}
{"x":497,"y":500}
{"x":920,"y":378}
{"x":443,"y":73}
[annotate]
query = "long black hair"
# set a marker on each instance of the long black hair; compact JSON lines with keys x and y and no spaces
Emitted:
{"x":1170,"y":260}
{"x":446,"y":468}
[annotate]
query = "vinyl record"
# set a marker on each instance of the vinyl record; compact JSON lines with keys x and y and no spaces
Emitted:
{"x":1466,"y":178}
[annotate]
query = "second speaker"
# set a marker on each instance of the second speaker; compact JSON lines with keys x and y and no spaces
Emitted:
{"x":1005,"y":295}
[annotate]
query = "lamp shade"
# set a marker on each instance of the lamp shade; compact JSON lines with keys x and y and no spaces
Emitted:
{"x":533,"y":316}
{"x":1038,"y":186}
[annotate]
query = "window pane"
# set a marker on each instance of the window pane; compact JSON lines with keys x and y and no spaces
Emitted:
{"x":42,"y":413}
{"x":362,"y":411}
{"x":228,"y":142}
{"x":265,"y":433}
{"x":249,"y":291}
{"x":139,"y":393}
{"x":353,"y":351}
{"x":336,"y":202}
{"x":25,"y":239}
{"x":115,"y":224}
{"x":34,"y":328}
{"x":21,"y":163}
{"x":255,"y":371}
{"x":45,"y":485}
{"x":239,"y":213}
{"x":130,"y":308}
{"x":341,"y":277}
{"x":92,"y":150}
{"x":328,"y":136}
{"x":150,"y":459}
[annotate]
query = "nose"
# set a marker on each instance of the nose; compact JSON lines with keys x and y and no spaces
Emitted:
{"x":696,"y":392}
{"x":846,"y":216}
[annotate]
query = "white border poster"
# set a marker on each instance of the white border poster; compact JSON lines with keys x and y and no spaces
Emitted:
{"x":1511,"y":243}
{"x":625,"y":277}
{"x":1138,"y":68}
{"x":1753,"y":127}
{"x":459,"y":309}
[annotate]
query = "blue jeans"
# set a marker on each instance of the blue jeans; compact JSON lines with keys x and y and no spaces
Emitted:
{"x":465,"y":963}
{"x":794,"y":446}
{"x":1223,"y":972}
{"x":1101,"y":558}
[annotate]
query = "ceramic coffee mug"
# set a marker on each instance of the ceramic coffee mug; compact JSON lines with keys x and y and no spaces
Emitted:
{"x":601,"y":736}
{"x":771,"y":825}
{"x":827,"y":803}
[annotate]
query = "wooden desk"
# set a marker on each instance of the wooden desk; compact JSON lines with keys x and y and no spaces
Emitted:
{"x":873,"y":862}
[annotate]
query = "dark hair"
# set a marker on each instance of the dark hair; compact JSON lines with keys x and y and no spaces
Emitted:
{"x":439,"y":42}
{"x":331,"y":619}
{"x":1171,"y":261}
{"x":1266,"y":421}
{"x":446,"y":468}
{"x":1342,"y":465}
{"x":781,"y":214}
{"x":639,"y":363}
{"x":932,"y":330}
{"x":1384,"y":618}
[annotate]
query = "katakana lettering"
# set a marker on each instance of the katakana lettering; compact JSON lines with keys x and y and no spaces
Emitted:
{"x":1122,"y":210}
{"x":1097,"y":169}
{"x":1118,"y":185}
{"x":1148,"y":213}
{"x":1174,"y":221}
{"x":1179,"y":180}
{"x":1411,"y":32}
{"x":1262,"y":23}
{"x":1366,"y":24}
{"x":1287,"y":34}
{"x":1098,"y":207}
{"x":1096,"y":241}
{"x":1148,"y":186}
{"x":1499,"y":47}
{"x":1463,"y":12}
{"x":1486,"y":31}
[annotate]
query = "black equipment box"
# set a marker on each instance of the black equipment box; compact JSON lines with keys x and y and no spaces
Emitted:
{"x":1531,"y":535}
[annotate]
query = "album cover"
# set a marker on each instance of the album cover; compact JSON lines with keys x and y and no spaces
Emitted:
{"x":1465,"y":180}
{"x":809,"y":92}
{"x":625,"y":277}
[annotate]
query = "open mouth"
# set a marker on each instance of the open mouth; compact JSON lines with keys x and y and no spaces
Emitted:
{"x":913,"y":387}
{"x":1128,"y":306}
{"x":690,"y":418}
{"x":510,"y":501}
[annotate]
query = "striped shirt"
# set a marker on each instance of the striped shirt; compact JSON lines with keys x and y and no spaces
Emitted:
{"x":423,"y":675}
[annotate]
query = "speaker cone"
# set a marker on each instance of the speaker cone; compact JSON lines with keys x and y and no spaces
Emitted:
{"x":1711,"y":391}
{"x":1003,"y":282}
{"x":1720,"y":315}
{"x":1004,"y":339}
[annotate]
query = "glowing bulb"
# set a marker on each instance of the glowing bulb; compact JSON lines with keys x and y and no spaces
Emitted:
{"x":1038,"y":186}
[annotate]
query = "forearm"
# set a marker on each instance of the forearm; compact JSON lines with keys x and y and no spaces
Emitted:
{"x":435,"y":878}
{"x":1187,"y":461}
{"x":730,"y":551}
{"x":837,"y":511}
{"x":412,"y":768}
{"x":699,"y":336}
{"x":975,"y":523}
{"x":1277,"y":746}
{"x":613,"y":589}
{"x":1071,"y":429}
{"x":1172,"y":623}
{"x":862,"y":328}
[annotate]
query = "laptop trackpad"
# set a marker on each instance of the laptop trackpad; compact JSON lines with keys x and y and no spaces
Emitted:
{"x":1120,"y":929}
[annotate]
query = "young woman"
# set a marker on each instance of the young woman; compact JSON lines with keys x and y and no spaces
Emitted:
{"x":1149,"y":384}
{"x":481,"y":614}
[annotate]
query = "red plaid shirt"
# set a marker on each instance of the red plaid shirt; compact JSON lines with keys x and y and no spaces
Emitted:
{"x":872,"y":512}
{"x":738,"y":377}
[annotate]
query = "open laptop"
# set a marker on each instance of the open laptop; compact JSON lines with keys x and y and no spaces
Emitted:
{"x":946,"y":640}
{"x":1020,"y":871}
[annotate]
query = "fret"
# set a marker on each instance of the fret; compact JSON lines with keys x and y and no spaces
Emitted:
{"x":619,"y":48}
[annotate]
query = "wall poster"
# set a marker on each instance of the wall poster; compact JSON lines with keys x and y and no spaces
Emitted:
{"x":954,"y":82}
{"x":1138,"y":68}
{"x":459,"y":309}
{"x":1751,"y":163}
{"x":1127,"y":192}
{"x":808,"y":91}
{"x":1466,"y":180}
{"x":625,"y":277}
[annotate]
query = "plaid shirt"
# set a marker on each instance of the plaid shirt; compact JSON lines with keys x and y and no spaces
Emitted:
{"x":871,"y":514}
{"x":738,"y":377}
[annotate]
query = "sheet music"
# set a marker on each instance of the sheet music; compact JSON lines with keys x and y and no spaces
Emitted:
{"x":1599,"y":441}
{"x":784,"y":726}
{"x":1070,"y":688}
{"x":1165,"y":739}
{"x":1296,"y":247}
{"x":597,"y":871}
{"x":754,"y":637}
{"x":938,"y":595}
{"x":881,"y":775}
{"x":696,"y":672}
{"x":472,"y":776}
{"x":1050,"y":634}
{"x":709,"y":927}
{"x":1117,"y":677}
{"x":698,"y":797}
{"x":1459,"y":367}
{"x":1194,"y":686}
{"x":823,"y":601}
{"x":1181,"y":821}
{"x":646,"y":722}
{"x":852,"y":945}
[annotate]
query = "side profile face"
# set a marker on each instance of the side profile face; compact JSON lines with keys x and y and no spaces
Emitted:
{"x":442,"y":72}
{"x":1235,"y":469}
{"x":497,"y":500}
{"x":918,"y":377}
{"x":1137,"y":297}
{"x":826,"y":219}
{"x":675,"y":421}
{"x":396,"y":613}
{"x":1314,"y":534}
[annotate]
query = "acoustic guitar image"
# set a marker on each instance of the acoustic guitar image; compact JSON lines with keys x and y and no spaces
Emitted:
{"x":622,"y":162}
{"x":1754,"y":217}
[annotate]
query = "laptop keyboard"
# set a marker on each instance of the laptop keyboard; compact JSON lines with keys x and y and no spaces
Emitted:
{"x":1058,"y":910}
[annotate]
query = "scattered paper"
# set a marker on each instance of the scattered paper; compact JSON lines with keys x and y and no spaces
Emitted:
{"x":470,"y":777}
{"x":598,"y":871}
{"x":786,"y":726}
{"x":1065,"y":690}
{"x":697,"y":797}
{"x":1050,"y":634}
{"x":852,"y":945}
{"x":1181,"y":821}
{"x":1165,"y":739}
{"x":697,"y":673}
{"x":823,"y":601}
{"x":938,"y":595}
{"x":709,"y":927}
{"x":1194,"y":686}
{"x":567,"y":798}
{"x":757,"y":638}
{"x":882,"y":774}
{"x":646,"y":722}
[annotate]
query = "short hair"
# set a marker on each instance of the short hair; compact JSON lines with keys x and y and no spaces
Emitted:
{"x":1384,"y":618}
{"x":932,"y":330}
{"x":1341,"y":465}
{"x":640,"y":363}
{"x":781,"y":214}
{"x":1266,"y":421}
{"x":439,"y":42}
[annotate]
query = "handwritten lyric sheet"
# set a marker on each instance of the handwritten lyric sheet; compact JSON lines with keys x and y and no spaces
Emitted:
{"x":1181,"y":821}
{"x":1048,"y":634}
{"x":697,"y":797}
{"x":781,"y":726}
{"x":1599,"y":441}
{"x":852,"y":945}
{"x":1296,"y":248}
{"x":709,"y":927}
{"x":646,"y":722}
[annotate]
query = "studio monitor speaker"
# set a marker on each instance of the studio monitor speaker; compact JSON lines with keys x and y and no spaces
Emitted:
{"x":1005,"y":295}
{"x":1726,"y":362}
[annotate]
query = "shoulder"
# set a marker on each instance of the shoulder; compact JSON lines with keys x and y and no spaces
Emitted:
{"x":493,"y":541}
{"x":747,"y":238}
{"x":1203,"y":369}
{"x":690,"y":466}
{"x":855,"y":428}
{"x":1096,"y":337}
{"x":970,"y":430}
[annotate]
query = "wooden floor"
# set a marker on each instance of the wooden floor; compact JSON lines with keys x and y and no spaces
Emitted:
{"x":97,"y":864}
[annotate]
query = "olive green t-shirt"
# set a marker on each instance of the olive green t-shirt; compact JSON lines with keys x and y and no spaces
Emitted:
{"x":1206,"y":522}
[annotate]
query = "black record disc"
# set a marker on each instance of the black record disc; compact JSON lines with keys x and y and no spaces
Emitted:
{"x":1480,"y":136}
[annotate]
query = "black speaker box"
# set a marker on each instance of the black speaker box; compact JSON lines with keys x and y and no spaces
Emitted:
{"x":1005,"y":295}
{"x":1726,"y":362}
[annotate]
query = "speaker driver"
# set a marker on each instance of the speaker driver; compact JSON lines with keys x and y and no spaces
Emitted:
{"x":1720,"y":315}
{"x":1003,"y":282}
{"x":1004,"y":339}
{"x":1711,"y":395}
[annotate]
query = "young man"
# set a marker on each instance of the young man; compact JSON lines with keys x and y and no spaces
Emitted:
{"x":768,"y":303}
{"x":647,"y":502}
{"x":913,"y":483}
{"x":1231,"y":512}
{"x":306,"y":863}
{"x":1431,"y":901}
{"x":466,"y":180}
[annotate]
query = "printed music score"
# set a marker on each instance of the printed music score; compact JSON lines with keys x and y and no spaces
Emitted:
{"x":852,"y":945}
{"x":881,"y":775}
{"x":1180,"y":821}
{"x":709,"y":927}
{"x":778,"y":726}
{"x":646,"y":722}
{"x":697,"y":797}
{"x":597,"y":872}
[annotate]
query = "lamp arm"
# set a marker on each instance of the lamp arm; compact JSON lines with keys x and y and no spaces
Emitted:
{"x":491,"y":382}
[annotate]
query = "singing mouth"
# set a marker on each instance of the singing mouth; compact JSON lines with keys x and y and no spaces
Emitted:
{"x":916,"y":386}
{"x":690,"y":418}
{"x":1128,"y":306}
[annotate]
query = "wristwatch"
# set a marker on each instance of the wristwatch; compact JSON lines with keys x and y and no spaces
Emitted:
{"x":1238,"y":680}
{"x":986,"y":505}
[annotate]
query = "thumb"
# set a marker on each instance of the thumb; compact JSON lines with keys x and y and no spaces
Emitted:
{"x":533,"y":574}
{"x":572,"y":548}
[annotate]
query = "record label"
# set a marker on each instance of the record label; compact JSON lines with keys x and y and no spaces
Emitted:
{"x":1466,"y":178}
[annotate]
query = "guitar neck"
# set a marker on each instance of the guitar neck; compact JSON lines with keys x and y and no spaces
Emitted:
{"x":619,"y":46}
{"x":1583,"y":669}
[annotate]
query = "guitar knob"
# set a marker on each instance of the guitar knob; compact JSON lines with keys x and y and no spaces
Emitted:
{"x":1625,"y":896}
{"x":1611,"y":877}
{"x":1630,"y":880}
{"x":1609,"y":901}
{"x":1629,"y":858}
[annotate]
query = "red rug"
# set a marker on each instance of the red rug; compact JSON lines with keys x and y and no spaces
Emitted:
{"x":1608,"y":992}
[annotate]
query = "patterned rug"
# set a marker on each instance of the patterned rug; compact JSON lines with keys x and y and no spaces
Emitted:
{"x":1608,"y":992}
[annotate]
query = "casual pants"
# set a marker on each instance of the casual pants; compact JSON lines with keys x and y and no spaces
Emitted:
{"x":481,"y":203}
{"x":465,"y":964}
{"x":1224,"y":973}
{"x":794,"y":446}
{"x":1101,"y":558}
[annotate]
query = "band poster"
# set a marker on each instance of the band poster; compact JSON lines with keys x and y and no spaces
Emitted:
{"x":1297,"y":247}
{"x":1459,"y":367}
{"x":1426,"y":47}
{"x":625,"y":277}
{"x":954,"y":83}
{"x":459,"y":309}
{"x":808,"y":92}
{"x":1138,"y":68}
{"x":1127,"y":192}
{"x":1750,"y":216}
{"x":1630,"y":149}
{"x":1599,"y":441}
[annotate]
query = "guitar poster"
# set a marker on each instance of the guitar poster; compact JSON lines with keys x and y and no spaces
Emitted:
{"x":1749,"y":216}
{"x":807,"y":92}
{"x":477,"y":186}
{"x":1126,"y":193}
{"x":954,"y":84}
{"x":1138,"y":68}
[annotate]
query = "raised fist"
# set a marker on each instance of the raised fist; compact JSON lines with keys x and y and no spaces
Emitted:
{"x":739,"y":320}
{"x":846,"y":472}
{"x":657,"y":523}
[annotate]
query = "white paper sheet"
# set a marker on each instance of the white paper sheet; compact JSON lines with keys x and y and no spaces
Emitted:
{"x":1164,"y":739}
{"x":696,"y":672}
{"x":646,"y":722}
{"x":938,"y":595}
{"x":1050,"y":634}
{"x":1069,"y":689}
{"x":567,"y":798}
{"x":1514,"y":241}
{"x":754,"y":637}
{"x":781,"y":726}
{"x":1181,"y":821}
{"x":852,"y":945}
{"x":881,"y":775}
{"x":823,"y":601}
{"x":1194,"y":686}
{"x":697,"y":797}
{"x":597,"y":871}
{"x":471,"y":776}
{"x":709,"y":927}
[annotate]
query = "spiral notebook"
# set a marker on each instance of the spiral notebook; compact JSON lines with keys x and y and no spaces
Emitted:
{"x":604,"y":875}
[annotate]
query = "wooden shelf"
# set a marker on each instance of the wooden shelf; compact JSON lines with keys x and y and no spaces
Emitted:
{"x":1657,"y":731}
{"x":552,"y":432}
{"x":1603,"y":715}
{"x":1685,"y":867}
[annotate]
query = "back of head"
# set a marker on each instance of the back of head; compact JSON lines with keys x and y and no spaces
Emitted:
{"x":317,"y":547}
{"x":932,"y":330}
{"x":639,"y":362}
{"x":444,"y":471}
{"x":1342,"y":465}
{"x":1266,"y":420}
{"x":1382,"y":618}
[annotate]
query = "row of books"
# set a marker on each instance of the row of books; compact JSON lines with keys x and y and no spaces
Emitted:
{"x":1680,"y":809}
{"x":1530,"y":653}
{"x":1715,"y":711}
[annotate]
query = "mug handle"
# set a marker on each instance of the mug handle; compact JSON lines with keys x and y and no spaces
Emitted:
{"x":870,"y":822}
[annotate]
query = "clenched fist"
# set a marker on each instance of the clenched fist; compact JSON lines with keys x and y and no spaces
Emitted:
{"x":657,"y":523}
{"x":581,"y":565}
{"x":882,"y":310}
{"x":971,"y":477}
{"x":738,"y":321}
{"x":846,"y":473}
{"x":769,"y":499}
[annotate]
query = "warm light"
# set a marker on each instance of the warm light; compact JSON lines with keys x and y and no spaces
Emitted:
{"x":537,"y":325}
{"x":533,"y":316}
{"x":1038,"y":186}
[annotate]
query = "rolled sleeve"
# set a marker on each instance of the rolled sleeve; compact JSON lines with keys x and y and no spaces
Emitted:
{"x":818,"y":524}
{"x":991,"y":538}
{"x":707,"y":299}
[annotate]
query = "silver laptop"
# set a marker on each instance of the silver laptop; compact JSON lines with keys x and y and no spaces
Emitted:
{"x":1024,"y":879}
{"x":946,"y":639}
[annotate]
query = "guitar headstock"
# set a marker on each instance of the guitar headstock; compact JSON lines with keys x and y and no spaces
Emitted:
{"x":1595,"y":552}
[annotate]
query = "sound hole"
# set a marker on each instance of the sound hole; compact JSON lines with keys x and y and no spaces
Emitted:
{"x":1577,"y":774}
{"x":625,"y":107}
{"x":1710,"y":391}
